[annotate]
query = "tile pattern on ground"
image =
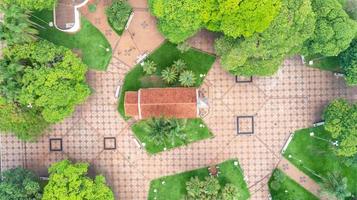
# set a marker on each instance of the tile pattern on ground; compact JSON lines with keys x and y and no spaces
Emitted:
{"x":289,"y":100}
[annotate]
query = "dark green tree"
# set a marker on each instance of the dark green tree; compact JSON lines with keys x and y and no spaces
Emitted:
{"x":334,"y":29}
{"x":19,"y":184}
{"x":69,"y":181}
{"x":16,"y":27}
{"x":262,"y":54}
{"x":40,"y":84}
{"x":341,"y":122}
{"x":118,"y":14}
{"x":348,"y":63}
{"x":207,"y":189}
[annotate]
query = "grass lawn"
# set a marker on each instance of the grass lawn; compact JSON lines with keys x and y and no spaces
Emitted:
{"x":89,"y":42}
{"x":175,"y":185}
{"x":288,"y":189}
{"x":164,"y":56}
{"x":331,"y":63}
{"x":193,"y":131}
{"x":317,"y":157}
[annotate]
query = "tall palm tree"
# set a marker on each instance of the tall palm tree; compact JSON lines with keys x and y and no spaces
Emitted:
{"x":336,"y":185}
{"x":17,"y":27}
{"x":169,"y":75}
{"x":179,"y":65}
{"x":187,"y":78}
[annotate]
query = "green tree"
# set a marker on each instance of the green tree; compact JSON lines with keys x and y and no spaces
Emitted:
{"x":169,"y":75}
{"x":203,"y":190}
{"x":33,"y":4}
{"x":237,"y":18}
{"x":149,"y":67}
{"x":341,"y":122}
{"x":69,"y":181}
{"x":118,"y":14}
{"x":177,"y":20}
{"x":348,"y":63}
{"x":187,"y":78}
{"x":54,"y":79}
{"x":16,"y":27}
{"x":19,"y":184}
{"x":24,"y":122}
{"x":262,"y":54}
{"x":336,"y":185}
{"x":334,"y":29}
{"x":161,"y":130}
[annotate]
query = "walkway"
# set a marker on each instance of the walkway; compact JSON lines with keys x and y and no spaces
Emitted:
{"x":301,"y":178}
{"x":275,"y":106}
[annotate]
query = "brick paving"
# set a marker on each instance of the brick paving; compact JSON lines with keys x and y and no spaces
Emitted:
{"x":290,"y":100}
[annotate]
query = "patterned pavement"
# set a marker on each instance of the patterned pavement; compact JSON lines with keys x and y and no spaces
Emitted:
{"x":269,"y":109}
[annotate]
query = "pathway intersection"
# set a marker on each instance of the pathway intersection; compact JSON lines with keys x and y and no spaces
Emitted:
{"x":275,"y":106}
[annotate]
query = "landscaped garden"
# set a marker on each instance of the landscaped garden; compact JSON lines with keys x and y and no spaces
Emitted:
{"x":163,"y":58}
{"x":282,"y":187}
{"x":89,"y":43}
{"x":198,"y":184}
{"x":185,"y":131}
{"x":328,"y":153}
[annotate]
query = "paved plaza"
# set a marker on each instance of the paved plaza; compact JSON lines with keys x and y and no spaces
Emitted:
{"x":251,"y":119}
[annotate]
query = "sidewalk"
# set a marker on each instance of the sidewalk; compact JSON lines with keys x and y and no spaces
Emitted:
{"x":301,"y":178}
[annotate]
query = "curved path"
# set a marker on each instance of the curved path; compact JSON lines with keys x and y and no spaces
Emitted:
{"x":290,"y":100}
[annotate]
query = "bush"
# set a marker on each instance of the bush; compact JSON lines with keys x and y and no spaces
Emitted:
{"x":19,"y":184}
{"x":118,"y":14}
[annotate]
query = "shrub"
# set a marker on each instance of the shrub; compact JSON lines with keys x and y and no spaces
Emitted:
{"x":118,"y":14}
{"x":348,"y":63}
{"x":92,"y":7}
{"x":208,"y":189}
{"x":19,"y":183}
{"x":149,"y":67}
{"x":187,"y":79}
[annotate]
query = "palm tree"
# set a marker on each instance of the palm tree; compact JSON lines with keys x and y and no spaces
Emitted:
{"x":157,"y":128}
{"x":17,"y":27}
{"x":149,"y":67}
{"x":336,"y":185}
{"x":179,"y":65}
{"x":176,"y":130}
{"x":169,"y":75}
{"x":187,"y":78}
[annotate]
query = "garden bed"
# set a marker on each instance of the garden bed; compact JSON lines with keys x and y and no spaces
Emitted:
{"x":89,"y":43}
{"x":195,"y":130}
{"x":174,"y":187}
{"x":317,"y":157}
{"x":282,"y":187}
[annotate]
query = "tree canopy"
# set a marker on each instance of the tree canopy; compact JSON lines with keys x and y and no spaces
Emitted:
{"x":16,"y":27}
{"x":348,"y":63}
{"x":19,"y":183}
{"x":68,"y":181}
{"x":41,"y":82}
{"x":341,"y":122}
{"x":179,"y":20}
{"x":263,"y":53}
{"x":334,"y":29}
{"x":33,"y":4}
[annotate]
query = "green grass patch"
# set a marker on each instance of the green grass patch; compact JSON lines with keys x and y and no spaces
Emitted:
{"x":164,"y":56}
{"x":193,"y":129}
{"x":88,"y":42}
{"x":331,"y":63}
{"x":175,"y":185}
{"x":317,"y":157}
{"x":288,"y":188}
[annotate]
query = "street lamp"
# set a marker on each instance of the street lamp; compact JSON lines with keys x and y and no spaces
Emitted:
{"x":333,"y":143}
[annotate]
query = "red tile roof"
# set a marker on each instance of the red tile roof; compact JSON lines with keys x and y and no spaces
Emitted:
{"x":162,"y":102}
